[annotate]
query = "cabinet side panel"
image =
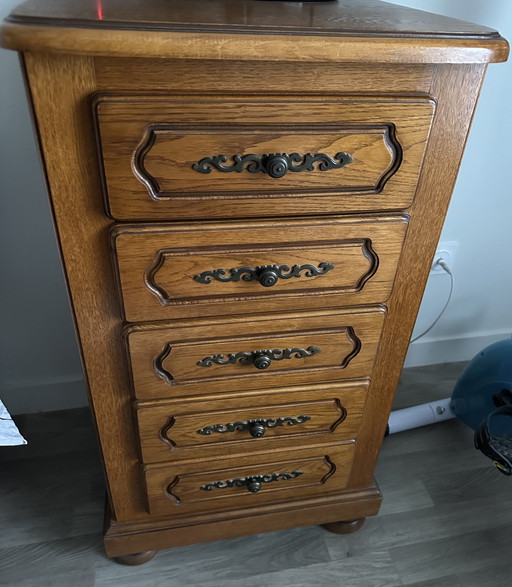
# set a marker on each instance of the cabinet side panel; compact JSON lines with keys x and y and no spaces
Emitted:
{"x":60,"y":87}
{"x":456,"y":89}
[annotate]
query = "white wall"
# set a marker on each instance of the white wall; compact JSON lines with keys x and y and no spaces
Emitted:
{"x":40,"y":367}
{"x":479,"y":217}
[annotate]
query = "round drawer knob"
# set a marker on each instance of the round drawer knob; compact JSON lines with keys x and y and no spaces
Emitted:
{"x":257,"y":430}
{"x":254,"y":486}
{"x":262,"y":362}
{"x":277,"y":166}
{"x":268,"y":278}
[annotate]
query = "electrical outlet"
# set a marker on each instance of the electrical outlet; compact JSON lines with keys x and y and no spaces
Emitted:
{"x":446,"y":251}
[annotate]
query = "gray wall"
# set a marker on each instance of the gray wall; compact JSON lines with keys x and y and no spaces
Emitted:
{"x":39,"y":362}
{"x":40,"y":367}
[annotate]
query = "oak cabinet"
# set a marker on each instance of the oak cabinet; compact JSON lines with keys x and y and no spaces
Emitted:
{"x":247,"y":198}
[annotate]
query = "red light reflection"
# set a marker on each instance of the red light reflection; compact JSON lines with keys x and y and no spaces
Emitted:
{"x":99,"y":9}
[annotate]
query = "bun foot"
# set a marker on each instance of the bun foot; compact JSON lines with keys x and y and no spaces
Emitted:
{"x":344,"y":527}
{"x":139,"y":558}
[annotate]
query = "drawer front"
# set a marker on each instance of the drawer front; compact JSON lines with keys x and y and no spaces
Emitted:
{"x":208,"y":157}
{"x":227,"y":485}
{"x":215,"y":357}
{"x":274,"y":419}
{"x":170,"y":271}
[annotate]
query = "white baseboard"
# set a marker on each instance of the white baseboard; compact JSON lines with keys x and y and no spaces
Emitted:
{"x":450,"y":350}
{"x":28,"y":397}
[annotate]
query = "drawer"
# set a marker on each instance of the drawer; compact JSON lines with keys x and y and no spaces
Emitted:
{"x":275,"y":419}
{"x":173,"y":360}
{"x":178,"y":270}
{"x":230,"y":484}
{"x":185,"y":157}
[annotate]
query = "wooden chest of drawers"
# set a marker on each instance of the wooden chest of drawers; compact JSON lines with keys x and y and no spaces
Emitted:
{"x":247,"y":196}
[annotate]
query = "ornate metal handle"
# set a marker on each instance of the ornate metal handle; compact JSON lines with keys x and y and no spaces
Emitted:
{"x":252,"y":483}
{"x":275,"y":165}
{"x":256,"y":427}
{"x":267,"y":275}
{"x":260,"y":359}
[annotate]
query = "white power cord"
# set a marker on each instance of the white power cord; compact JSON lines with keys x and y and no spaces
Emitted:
{"x":445,"y":267}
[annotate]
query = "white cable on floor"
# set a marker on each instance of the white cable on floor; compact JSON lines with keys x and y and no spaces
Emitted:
{"x":445,"y":267}
{"x":421,"y":415}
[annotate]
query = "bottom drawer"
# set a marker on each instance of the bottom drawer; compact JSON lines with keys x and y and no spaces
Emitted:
{"x":218,"y":485}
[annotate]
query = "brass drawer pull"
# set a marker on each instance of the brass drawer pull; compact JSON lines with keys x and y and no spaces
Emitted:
{"x":252,"y":483}
{"x":256,"y":427}
{"x":260,"y":359}
{"x":275,"y":165}
{"x":267,"y":275}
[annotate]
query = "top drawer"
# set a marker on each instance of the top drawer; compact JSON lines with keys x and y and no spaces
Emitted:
{"x":209,"y":157}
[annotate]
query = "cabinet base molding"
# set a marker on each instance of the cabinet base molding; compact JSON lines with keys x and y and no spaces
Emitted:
{"x":138,"y":538}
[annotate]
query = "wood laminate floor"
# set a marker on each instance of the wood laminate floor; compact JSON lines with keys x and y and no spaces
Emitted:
{"x":446,"y":518}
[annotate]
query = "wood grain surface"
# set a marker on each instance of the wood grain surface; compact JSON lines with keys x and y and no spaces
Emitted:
{"x":212,"y":46}
{"x":169,"y":430}
{"x":348,"y":340}
{"x":353,"y":31}
{"x":158,"y":263}
{"x":150,"y":145}
{"x":364,"y":17}
{"x":67,"y":140}
{"x":178,"y":489}
{"x":192,"y":75}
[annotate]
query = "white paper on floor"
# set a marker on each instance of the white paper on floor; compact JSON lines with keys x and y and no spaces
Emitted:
{"x":9,"y":433}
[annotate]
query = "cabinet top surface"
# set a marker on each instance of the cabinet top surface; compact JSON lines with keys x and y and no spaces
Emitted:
{"x":342,"y":17}
{"x":269,"y":30}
